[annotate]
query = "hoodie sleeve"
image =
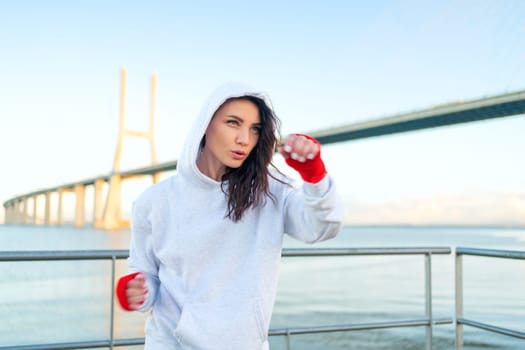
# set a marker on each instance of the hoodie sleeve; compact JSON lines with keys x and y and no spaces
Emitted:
{"x":314,"y":212}
{"x":141,"y":254}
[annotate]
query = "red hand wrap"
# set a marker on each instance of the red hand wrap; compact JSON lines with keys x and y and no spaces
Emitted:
{"x":312,"y":170}
{"x":121,"y":290}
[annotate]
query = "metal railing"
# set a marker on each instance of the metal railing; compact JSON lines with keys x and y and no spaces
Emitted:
{"x":428,"y":321}
{"x":114,"y":255}
{"x":460,"y":320}
{"x":65,"y":255}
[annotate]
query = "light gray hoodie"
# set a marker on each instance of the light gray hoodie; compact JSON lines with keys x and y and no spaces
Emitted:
{"x":212,"y":282}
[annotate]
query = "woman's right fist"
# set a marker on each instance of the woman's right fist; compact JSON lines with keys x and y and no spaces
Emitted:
{"x":131,"y":291}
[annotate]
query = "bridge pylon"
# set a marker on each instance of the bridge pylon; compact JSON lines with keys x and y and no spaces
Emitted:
{"x":111,"y":216}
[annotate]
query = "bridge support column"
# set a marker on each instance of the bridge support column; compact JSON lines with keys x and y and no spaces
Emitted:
{"x":17,"y":212}
{"x":156,"y":178}
{"x":80,"y":194}
{"x":25,"y":217}
{"x":112,"y":212}
{"x":22,"y":212}
{"x":35,"y":209}
{"x":60,"y":218}
{"x":13,"y":214}
{"x":98,"y":206}
{"x":8,"y":214}
{"x":47,"y":209}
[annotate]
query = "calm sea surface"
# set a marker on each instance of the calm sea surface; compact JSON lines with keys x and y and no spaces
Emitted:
{"x":50,"y":302}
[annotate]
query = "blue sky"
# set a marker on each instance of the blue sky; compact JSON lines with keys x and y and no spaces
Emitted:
{"x":323,"y":64}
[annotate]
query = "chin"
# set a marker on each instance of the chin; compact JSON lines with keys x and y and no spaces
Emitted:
{"x":235,"y":165}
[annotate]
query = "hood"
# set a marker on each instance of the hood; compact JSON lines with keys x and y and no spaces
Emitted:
{"x":187,"y":163}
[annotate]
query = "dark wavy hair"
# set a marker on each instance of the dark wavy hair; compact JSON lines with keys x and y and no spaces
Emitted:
{"x":247,"y":186}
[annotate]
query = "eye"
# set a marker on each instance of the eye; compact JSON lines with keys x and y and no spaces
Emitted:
{"x":232,"y":122}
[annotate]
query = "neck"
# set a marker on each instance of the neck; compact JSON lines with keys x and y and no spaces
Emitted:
{"x":210,"y":168}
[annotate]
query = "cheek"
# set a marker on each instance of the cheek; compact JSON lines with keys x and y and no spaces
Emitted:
{"x":255,"y":141}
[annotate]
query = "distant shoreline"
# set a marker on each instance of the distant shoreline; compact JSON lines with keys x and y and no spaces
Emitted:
{"x":439,"y":226}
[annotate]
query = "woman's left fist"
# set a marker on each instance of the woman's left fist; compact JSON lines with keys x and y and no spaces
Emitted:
{"x":299,"y":147}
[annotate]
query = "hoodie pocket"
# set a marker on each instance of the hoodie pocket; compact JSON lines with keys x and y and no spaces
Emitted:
{"x":205,"y":326}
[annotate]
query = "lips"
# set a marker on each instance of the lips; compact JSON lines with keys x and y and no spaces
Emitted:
{"x":238,"y":155}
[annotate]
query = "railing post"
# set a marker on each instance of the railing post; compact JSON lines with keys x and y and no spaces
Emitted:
{"x":459,"y":300}
{"x":288,"y":346}
{"x":112,"y":305}
{"x":428,"y":299}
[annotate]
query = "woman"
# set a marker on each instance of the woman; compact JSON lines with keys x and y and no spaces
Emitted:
{"x":206,"y":243}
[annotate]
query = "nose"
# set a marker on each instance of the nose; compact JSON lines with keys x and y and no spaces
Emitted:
{"x":243,"y":136}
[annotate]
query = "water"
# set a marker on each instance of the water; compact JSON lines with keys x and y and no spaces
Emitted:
{"x":48,"y":302}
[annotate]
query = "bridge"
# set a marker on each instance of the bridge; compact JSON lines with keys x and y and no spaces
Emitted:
{"x":107,"y":208}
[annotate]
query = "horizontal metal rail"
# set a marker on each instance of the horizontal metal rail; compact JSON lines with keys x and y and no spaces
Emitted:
{"x":46,"y":255}
{"x":460,"y":320}
{"x":113,"y":255}
{"x":492,"y":328}
{"x":92,"y":344}
{"x":272,"y":332}
{"x":491,"y":253}
{"x":295,"y":252}
{"x":360,"y":326}
{"x":43,"y":255}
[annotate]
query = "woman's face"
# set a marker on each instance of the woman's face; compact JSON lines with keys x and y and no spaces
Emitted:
{"x":230,"y":137}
